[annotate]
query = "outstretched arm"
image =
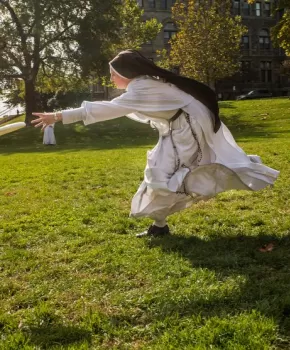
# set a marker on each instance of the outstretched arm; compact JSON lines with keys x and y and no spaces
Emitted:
{"x":90,"y":112}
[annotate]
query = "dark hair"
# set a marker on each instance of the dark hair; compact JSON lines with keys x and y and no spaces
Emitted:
{"x":131,"y":64}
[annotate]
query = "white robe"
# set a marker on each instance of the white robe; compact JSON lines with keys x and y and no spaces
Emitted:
{"x":221,"y":165}
{"x":48,"y":135}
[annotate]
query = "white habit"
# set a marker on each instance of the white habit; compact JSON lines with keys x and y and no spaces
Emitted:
{"x":48,"y":135}
{"x":190,"y":162}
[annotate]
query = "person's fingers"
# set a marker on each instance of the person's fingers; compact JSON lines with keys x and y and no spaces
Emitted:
{"x":42,"y":121}
{"x":34,"y":121}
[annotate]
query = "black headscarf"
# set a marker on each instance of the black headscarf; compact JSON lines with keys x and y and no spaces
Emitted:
{"x":131,"y":64}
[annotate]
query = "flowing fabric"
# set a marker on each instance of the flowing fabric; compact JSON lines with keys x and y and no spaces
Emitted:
{"x":190,"y":161}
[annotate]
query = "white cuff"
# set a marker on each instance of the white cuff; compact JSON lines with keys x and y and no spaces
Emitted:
{"x":73,"y":115}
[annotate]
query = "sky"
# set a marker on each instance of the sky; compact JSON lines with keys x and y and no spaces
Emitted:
{"x":11,"y":111}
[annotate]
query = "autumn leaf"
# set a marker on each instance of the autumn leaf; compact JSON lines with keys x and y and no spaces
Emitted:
{"x":267,"y":248}
{"x":9,"y":194}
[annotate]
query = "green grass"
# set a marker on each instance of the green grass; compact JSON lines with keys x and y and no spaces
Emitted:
{"x":73,"y":275}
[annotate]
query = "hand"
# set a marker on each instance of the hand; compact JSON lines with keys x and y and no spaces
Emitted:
{"x":45,"y":119}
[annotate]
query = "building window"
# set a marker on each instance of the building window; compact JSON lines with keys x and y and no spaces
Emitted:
{"x":245,"y":42}
{"x":151,"y":4}
{"x":140,"y":3}
{"x":266,"y":71}
{"x":246,"y":65}
{"x":246,"y":8}
{"x":163,"y":4}
{"x":246,"y":71}
{"x":267,"y":9}
{"x":169,"y":31}
{"x":258,"y":9}
{"x":264,"y":39}
{"x":236,"y":7}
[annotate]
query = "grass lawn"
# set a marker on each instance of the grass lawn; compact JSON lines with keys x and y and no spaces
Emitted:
{"x":73,"y":275}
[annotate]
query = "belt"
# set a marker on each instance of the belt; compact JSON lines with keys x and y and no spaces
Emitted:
{"x":176,"y":115}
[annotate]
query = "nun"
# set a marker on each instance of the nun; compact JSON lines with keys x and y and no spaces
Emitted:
{"x":48,"y":135}
{"x":196,"y":156}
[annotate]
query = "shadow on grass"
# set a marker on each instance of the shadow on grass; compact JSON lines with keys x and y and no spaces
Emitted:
{"x":267,"y":286}
{"x":123,"y":133}
{"x":237,"y":125}
{"x":227,"y":104}
{"x":52,"y":335}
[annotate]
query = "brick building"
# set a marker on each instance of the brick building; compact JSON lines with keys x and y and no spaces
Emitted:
{"x":260,"y":61}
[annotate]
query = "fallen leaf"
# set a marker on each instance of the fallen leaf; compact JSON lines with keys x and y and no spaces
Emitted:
{"x":267,"y":248}
{"x":9,"y":194}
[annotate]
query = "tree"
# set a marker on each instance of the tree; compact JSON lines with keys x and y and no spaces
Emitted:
{"x":281,"y":31}
{"x":47,"y":36}
{"x":102,"y":39}
{"x":207,"y":44}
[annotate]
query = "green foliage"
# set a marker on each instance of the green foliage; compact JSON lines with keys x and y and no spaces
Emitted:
{"x":56,"y":43}
{"x":120,"y":29}
{"x":207,"y":45}
{"x":74,"y":277}
{"x":163,"y":59}
{"x":281,"y":31}
{"x":15,"y":94}
{"x":57,"y":35}
{"x":135,"y":32}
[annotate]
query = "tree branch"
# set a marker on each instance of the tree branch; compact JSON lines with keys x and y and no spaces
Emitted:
{"x":13,"y":76}
{"x":35,"y":20}
{"x":19,"y":27}
{"x":15,"y":60}
{"x":56,"y":37}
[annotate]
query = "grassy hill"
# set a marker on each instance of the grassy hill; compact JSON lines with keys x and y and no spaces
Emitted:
{"x":73,"y":275}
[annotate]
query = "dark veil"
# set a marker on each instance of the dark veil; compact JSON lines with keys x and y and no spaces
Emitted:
{"x":131,"y":64}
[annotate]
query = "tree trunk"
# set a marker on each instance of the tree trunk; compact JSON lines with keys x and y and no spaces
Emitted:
{"x":30,"y":100}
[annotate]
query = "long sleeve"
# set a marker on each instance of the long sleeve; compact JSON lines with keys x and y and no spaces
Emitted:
{"x":73,"y":115}
{"x":145,"y":99}
{"x":93,"y":112}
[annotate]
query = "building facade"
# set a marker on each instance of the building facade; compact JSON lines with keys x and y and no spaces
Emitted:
{"x":261,"y":63}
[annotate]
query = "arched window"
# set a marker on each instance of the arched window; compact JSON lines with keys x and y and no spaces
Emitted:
{"x":169,"y":30}
{"x":264,"y":39}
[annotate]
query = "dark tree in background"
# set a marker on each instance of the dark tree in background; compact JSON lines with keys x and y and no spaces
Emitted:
{"x":61,"y":40}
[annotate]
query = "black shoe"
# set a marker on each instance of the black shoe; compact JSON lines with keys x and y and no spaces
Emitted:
{"x":155,"y":231}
